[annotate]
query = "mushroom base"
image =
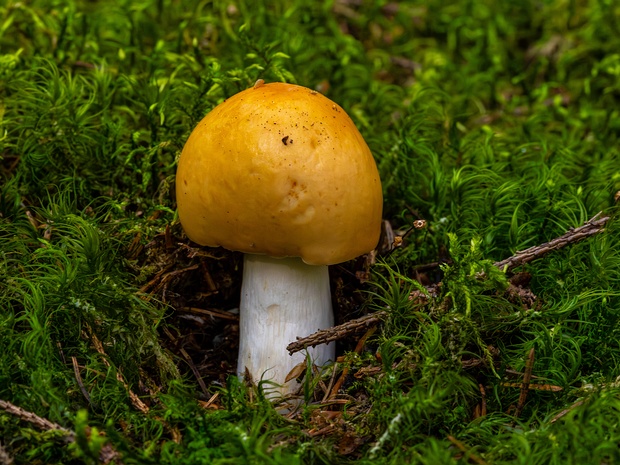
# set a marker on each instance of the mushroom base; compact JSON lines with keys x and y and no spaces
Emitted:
{"x":281,"y":299}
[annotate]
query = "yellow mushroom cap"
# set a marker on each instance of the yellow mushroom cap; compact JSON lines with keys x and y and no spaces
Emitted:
{"x":281,"y":170}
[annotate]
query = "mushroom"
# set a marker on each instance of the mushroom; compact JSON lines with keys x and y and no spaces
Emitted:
{"x":280,"y":173}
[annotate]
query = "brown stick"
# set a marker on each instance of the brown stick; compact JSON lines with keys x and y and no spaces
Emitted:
{"x":464,"y":449}
{"x":190,"y":362}
{"x":133,"y":397}
{"x":41,"y":423}
{"x":525,"y":385}
{"x":78,"y":377}
{"x":336,"y":333}
{"x":135,"y":400}
{"x":107,"y":454}
{"x":591,"y":227}
{"x":211,"y":312}
{"x":358,"y":350}
{"x":567,"y":410}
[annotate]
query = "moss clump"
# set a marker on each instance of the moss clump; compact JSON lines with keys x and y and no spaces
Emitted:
{"x":495,"y":122}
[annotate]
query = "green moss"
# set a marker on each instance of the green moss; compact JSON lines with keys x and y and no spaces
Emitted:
{"x":496,"y":122}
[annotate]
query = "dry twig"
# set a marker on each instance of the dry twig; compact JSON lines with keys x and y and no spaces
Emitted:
{"x":358,"y":350}
{"x":162,"y":280}
{"x":591,"y":227}
{"x":190,"y":362}
{"x":35,"y":420}
{"x":481,"y":407}
{"x":78,"y":377}
{"x":567,"y":410}
{"x":464,"y":449}
{"x":525,"y":385}
{"x":135,"y":400}
{"x":336,"y":333}
{"x":133,"y":397}
{"x":107,"y":454}
{"x":215,"y":313}
{"x":210,"y":404}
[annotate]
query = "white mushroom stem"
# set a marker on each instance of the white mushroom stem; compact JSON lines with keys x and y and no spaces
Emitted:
{"x":281,"y":299}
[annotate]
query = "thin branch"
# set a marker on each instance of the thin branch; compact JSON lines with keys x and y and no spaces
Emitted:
{"x":190,"y":362}
{"x":345,"y":371}
{"x":106,"y":455}
{"x":465,"y":450}
{"x":567,"y":410}
{"x":525,"y":385}
{"x":215,"y":313}
{"x":78,"y":377}
{"x":591,"y":227}
{"x":41,"y":423}
{"x":336,"y":333}
{"x":133,"y":397}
